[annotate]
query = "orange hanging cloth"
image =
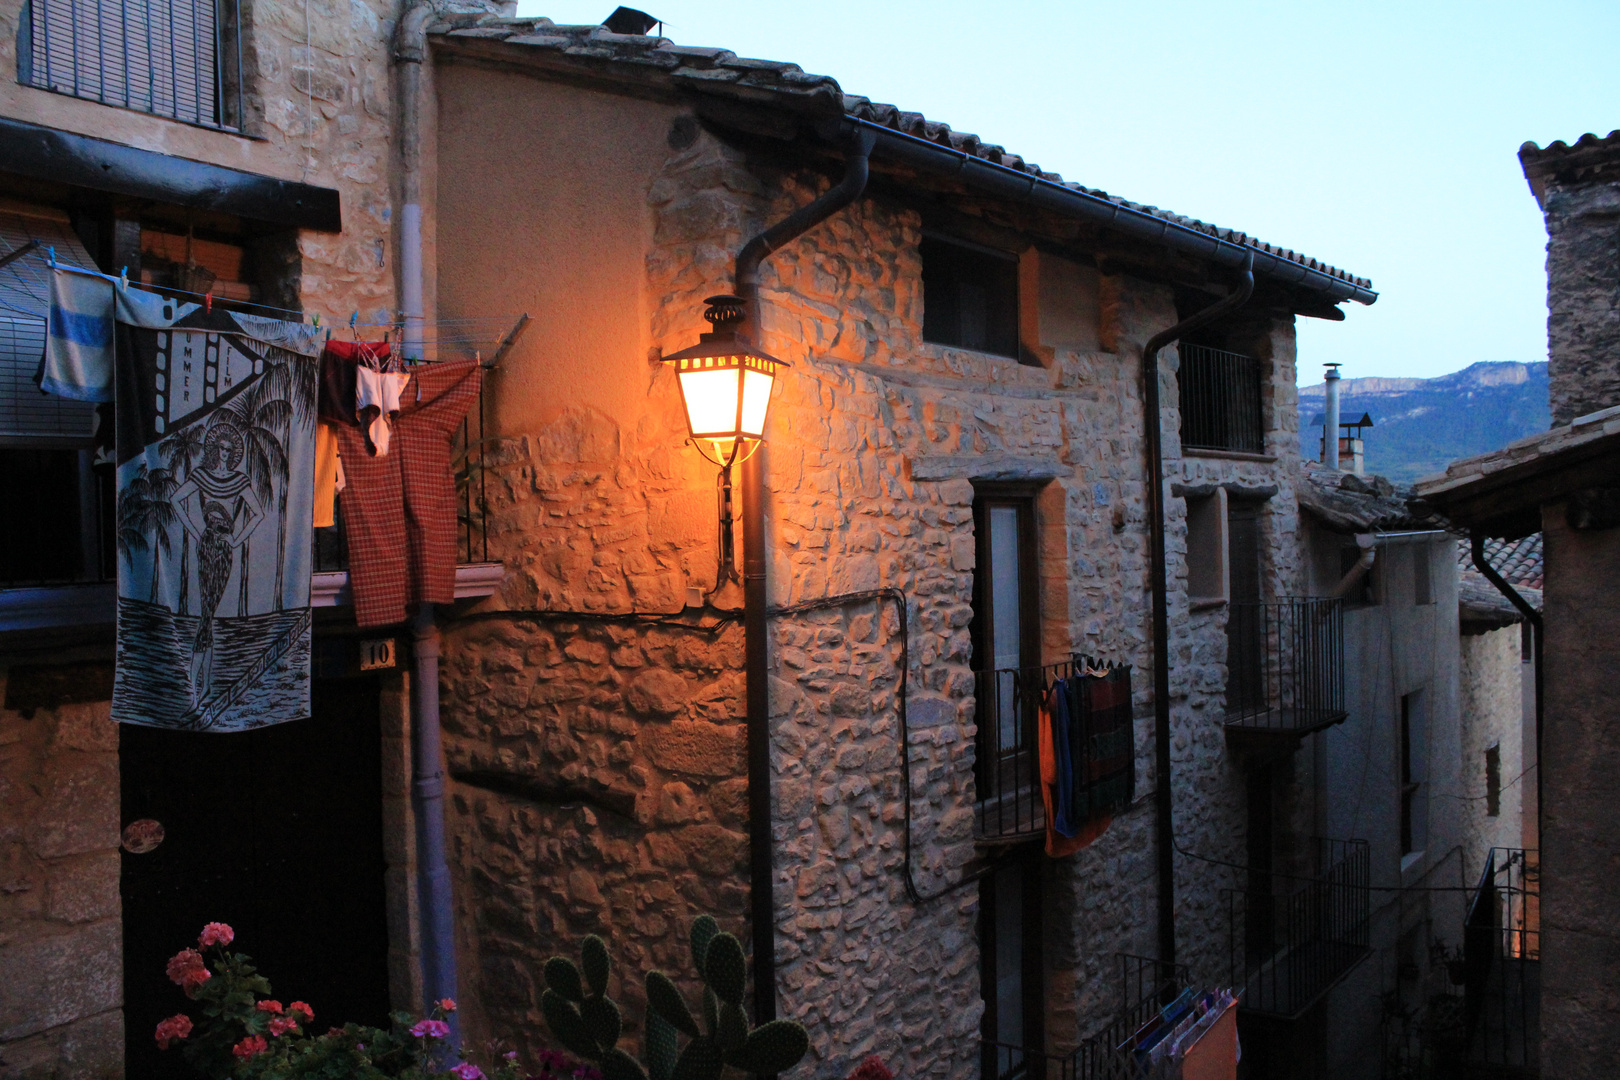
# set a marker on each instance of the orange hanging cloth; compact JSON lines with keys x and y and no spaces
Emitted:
{"x":1058,"y":846}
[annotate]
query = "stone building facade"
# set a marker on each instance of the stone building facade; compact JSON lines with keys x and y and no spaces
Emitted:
{"x":593,"y":707}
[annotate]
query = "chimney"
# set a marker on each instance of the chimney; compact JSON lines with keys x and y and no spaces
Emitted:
{"x":1330,"y":421}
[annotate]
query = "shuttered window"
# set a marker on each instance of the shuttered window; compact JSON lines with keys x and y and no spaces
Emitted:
{"x":27,"y":416}
{"x":175,"y":58}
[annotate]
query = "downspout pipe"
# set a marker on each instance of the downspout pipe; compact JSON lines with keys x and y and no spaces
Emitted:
{"x":762,"y":904}
{"x":435,"y":905}
{"x":1153,"y":419}
{"x":410,"y":53}
{"x":1533,"y":617}
{"x":1330,"y":418}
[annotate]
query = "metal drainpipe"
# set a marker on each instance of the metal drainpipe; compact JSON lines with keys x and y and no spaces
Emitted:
{"x":436,"y":904}
{"x":436,"y":910}
{"x":1477,"y":547}
{"x":1164,"y":826}
{"x":762,"y":901}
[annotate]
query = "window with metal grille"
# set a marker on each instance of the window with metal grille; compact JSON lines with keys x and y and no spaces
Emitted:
{"x":176,"y":58}
{"x":1220,"y":400}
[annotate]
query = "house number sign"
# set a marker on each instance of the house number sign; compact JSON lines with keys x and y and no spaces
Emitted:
{"x":376,"y":654}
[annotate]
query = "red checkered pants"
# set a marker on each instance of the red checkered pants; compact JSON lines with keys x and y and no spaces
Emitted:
{"x":399,"y":511}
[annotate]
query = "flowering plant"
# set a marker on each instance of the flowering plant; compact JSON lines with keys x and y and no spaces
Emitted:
{"x":245,"y":1034}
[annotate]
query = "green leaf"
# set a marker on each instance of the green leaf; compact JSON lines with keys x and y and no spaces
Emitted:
{"x":701,"y":1060}
{"x":724,"y":969}
{"x":618,"y":1065}
{"x":733,"y":1027}
{"x":594,"y":958}
{"x":563,"y":977}
{"x":703,"y":930}
{"x":565,"y":1022}
{"x":659,"y":1047}
{"x":602,"y":1020}
{"x":666,"y":1002}
{"x":771,"y":1048}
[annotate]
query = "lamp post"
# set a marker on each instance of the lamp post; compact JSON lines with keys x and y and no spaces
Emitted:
{"x":726,"y":389}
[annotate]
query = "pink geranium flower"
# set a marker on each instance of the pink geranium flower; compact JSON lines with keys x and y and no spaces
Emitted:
{"x":467,"y":1071}
{"x":430,"y":1029}
{"x":268,"y":1006}
{"x":281,"y":1025}
{"x":175,"y":1027}
{"x":252,"y":1046}
{"x":216,"y":933}
{"x":187,"y":970}
{"x":447,"y":1004}
{"x":304,"y":1010}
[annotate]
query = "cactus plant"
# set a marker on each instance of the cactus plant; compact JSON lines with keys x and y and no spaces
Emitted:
{"x":587,"y":1022}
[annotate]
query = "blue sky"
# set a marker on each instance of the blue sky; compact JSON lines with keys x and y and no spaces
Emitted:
{"x":1379,"y":137}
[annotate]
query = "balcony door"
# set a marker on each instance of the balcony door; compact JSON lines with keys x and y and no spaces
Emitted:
{"x":1010,"y":969}
{"x":1006,"y":648}
{"x":1245,"y":624}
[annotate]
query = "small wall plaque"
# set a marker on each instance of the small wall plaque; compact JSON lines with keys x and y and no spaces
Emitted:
{"x":376,"y":654}
{"x":142,"y":836}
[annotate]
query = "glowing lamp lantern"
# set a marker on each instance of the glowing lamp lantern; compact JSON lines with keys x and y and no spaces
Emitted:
{"x":725,"y":384}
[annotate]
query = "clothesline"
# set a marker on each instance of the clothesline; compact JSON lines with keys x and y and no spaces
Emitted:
{"x":469,"y":321}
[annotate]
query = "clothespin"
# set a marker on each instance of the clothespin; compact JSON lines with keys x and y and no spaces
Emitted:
{"x":123,"y":277}
{"x":317,"y":318}
{"x":50,"y":255}
{"x":208,"y":303}
{"x":352,"y":317}
{"x":328,"y":332}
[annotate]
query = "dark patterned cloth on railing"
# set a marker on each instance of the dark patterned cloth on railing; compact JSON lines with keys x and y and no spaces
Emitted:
{"x":1086,"y":754}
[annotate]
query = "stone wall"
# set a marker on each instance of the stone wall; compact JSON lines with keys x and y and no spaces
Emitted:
{"x":598,"y":763}
{"x":1583,"y":272}
{"x":1491,"y":712}
{"x":60,"y":937}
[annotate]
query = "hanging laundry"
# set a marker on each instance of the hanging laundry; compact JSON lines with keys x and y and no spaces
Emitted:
{"x":328,"y":474}
{"x":215,"y":470}
{"x":399,"y":511}
{"x":339,"y":361}
{"x":377,"y":403}
{"x":78,"y":358}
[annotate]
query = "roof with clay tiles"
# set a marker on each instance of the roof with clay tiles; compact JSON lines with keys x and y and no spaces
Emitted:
{"x":789,"y":86}
{"x":1589,"y":157}
{"x":1518,"y":561}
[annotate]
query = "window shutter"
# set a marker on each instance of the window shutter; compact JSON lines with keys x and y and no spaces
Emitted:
{"x":29,"y":417}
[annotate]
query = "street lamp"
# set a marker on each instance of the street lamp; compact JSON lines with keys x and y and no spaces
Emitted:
{"x":726,"y":389}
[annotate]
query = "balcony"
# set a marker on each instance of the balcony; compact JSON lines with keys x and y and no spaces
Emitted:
{"x":1097,"y":736}
{"x":1220,"y":400}
{"x":1502,"y":966}
{"x":1287,"y":949}
{"x":1144,"y":985}
{"x":180,"y":59}
{"x":1285,"y":669}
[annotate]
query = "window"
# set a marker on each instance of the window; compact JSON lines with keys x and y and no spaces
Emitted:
{"x":1246,"y":633}
{"x":1005,"y":635}
{"x":1422,"y":583}
{"x":970,"y":296}
{"x":176,"y":58}
{"x":47,"y":444}
{"x":1414,"y":770}
{"x":1220,"y":399}
{"x":1493,"y":780}
{"x":1207,"y":548}
{"x":1010,"y":958}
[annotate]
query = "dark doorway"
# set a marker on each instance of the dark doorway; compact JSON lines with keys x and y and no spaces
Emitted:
{"x":277,"y":832}
{"x":1246,"y":623}
{"x":1011,"y":969}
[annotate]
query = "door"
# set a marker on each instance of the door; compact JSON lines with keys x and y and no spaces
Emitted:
{"x":277,"y":832}
{"x":1011,"y":958}
{"x":1246,"y":629}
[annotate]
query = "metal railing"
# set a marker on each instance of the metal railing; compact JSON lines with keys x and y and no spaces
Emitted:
{"x":1502,"y":962}
{"x":1220,"y":400}
{"x":176,"y":58}
{"x":1287,"y":948}
{"x":1285,"y":665}
{"x":1144,"y":986}
{"x":1094,"y":741}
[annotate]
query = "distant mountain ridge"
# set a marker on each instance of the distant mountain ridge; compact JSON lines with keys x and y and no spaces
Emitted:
{"x":1422,"y":425}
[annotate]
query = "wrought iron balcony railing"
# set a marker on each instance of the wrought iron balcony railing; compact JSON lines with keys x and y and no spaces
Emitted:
{"x":1290,"y":940}
{"x":1220,"y":400}
{"x":1144,"y":986}
{"x":1094,"y":746}
{"x":181,"y":59}
{"x":1285,"y":667}
{"x":1502,"y":962}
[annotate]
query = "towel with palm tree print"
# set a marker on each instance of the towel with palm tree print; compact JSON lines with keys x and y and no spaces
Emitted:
{"x":216,"y":460}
